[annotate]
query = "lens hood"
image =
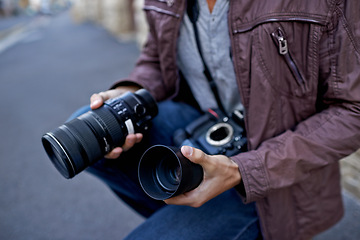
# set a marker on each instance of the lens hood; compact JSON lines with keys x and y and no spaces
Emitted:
{"x":164,"y":172}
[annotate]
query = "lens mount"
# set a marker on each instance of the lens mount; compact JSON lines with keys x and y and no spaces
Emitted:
{"x":219,"y":134}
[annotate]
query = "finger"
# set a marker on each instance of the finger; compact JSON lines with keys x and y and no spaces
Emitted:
{"x":139,"y":137}
{"x":130,"y":141}
{"x":115,"y":153}
{"x":178,"y":200}
{"x":96,"y":100}
{"x":192,"y":199}
{"x":195,"y":155}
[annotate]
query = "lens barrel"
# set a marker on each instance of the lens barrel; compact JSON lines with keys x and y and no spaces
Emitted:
{"x":79,"y":143}
{"x":164,"y":172}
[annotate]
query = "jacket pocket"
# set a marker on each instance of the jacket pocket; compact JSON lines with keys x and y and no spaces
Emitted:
{"x":286,"y":53}
{"x":280,"y":41}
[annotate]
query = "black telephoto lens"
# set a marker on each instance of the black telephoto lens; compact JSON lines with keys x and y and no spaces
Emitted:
{"x":82,"y":141}
{"x":164,"y":172}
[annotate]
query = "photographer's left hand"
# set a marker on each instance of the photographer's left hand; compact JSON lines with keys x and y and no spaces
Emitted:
{"x":220,"y":174}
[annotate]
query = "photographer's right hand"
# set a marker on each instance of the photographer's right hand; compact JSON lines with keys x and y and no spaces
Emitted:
{"x":98,"y":99}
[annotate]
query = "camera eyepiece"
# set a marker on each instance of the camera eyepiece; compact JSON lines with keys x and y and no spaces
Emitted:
{"x":82,"y":141}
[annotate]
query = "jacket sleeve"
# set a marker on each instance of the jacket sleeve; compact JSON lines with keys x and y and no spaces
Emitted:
{"x":325,"y":137}
{"x":147,"y":72}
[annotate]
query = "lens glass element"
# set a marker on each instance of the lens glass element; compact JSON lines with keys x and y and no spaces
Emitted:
{"x":167,"y":174}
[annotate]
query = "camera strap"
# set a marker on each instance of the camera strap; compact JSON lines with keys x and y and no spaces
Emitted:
{"x":193,"y":13}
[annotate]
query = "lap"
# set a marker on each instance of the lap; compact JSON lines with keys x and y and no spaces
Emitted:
{"x":224,"y":217}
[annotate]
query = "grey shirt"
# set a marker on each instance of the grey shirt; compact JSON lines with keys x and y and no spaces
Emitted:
{"x":215,"y":44}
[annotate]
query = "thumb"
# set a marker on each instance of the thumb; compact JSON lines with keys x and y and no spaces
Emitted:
{"x":193,"y":154}
{"x":96,"y":100}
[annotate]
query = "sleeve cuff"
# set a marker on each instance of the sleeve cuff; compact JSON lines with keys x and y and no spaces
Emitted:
{"x":254,"y":182}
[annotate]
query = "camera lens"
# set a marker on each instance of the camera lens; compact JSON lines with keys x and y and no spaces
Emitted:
{"x":82,"y":141}
{"x":168,"y":174}
{"x":164,"y":172}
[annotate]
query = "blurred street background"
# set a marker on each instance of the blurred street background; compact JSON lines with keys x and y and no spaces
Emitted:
{"x":53,"y":56}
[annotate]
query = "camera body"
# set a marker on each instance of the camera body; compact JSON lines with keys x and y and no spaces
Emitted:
{"x":215,"y":133}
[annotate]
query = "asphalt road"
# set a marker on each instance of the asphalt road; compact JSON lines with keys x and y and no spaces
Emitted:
{"x":48,"y":70}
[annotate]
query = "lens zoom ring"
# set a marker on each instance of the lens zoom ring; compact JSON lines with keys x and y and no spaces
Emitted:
{"x":110,"y":124}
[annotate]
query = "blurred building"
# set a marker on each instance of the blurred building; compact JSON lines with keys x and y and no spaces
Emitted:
{"x":31,"y":7}
{"x":123,"y":18}
{"x":350,"y":171}
{"x":10,"y":7}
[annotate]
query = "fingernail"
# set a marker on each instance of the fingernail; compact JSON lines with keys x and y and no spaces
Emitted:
{"x":96,"y":102}
{"x":187,"y":150}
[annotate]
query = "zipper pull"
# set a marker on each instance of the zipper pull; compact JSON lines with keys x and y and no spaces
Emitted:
{"x":170,"y":2}
{"x":283,"y":47}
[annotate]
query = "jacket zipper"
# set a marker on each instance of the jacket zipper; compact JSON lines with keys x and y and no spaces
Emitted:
{"x":281,"y":42}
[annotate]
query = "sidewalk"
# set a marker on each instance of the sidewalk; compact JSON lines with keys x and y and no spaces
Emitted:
{"x":14,"y":29}
{"x":12,"y":24}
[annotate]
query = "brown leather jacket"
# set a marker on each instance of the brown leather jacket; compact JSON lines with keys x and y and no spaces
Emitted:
{"x":297,"y":65}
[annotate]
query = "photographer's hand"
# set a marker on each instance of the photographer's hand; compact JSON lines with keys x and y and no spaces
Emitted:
{"x":220,"y":174}
{"x":98,"y":99}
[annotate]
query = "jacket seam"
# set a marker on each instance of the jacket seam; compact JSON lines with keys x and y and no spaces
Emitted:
{"x":264,"y":173}
{"x":175,"y":37}
{"x":315,"y":56}
{"x":279,"y":17}
{"x":318,"y":126}
{"x":333,"y":66}
{"x":336,"y":77}
{"x":160,"y":10}
{"x":347,"y":30}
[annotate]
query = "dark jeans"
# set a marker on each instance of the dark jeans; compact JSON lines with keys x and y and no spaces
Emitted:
{"x":224,"y":217}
